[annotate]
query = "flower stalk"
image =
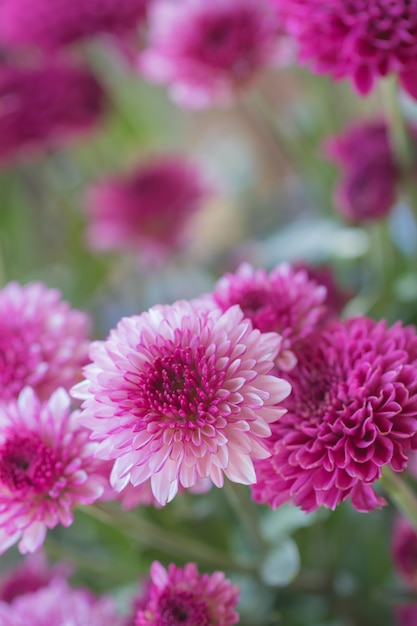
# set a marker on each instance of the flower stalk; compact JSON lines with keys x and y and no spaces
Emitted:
{"x":400,"y":494}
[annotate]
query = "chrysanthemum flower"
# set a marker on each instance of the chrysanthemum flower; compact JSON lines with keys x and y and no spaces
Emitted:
{"x":49,"y":24}
{"x":358,"y":39}
{"x":406,"y":615}
{"x":44,"y":106}
{"x":43,"y":342}
{"x":181,"y":393}
{"x":148,"y":209}
{"x":285,"y":301}
{"x":183,"y":596}
{"x":33,"y":573}
{"x":368,"y":186}
{"x":46,"y":468}
{"x":57,"y":605}
{"x":205,"y":50}
{"x":404,"y":551}
{"x":337,"y":296}
{"x":352,"y":410}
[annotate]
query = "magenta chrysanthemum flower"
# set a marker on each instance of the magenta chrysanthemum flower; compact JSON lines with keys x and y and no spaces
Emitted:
{"x":148,"y":209}
{"x":284,"y":301}
{"x":181,"y":393}
{"x":368,"y":186}
{"x":352,"y":410}
{"x":49,"y":24}
{"x":43,"y":343}
{"x":29,"y":576}
{"x":46,"y":468}
{"x":44,"y":106}
{"x":206,"y":51}
{"x":57,"y":605}
{"x":358,"y":39}
{"x":183,"y":596}
{"x":404,"y":551}
{"x":337,"y":296}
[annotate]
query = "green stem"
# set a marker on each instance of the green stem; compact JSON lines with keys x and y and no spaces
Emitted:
{"x":400,"y":493}
{"x":246,"y":514}
{"x":397,"y":127}
{"x":148,"y":533}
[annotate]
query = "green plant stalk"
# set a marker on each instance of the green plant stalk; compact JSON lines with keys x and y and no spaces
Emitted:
{"x":400,"y":494}
{"x":246,"y":514}
{"x":397,"y":128}
{"x":147,"y":533}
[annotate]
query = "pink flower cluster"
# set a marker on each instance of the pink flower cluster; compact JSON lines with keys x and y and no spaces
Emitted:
{"x":44,"y":106}
{"x":183,"y":596}
{"x":206,"y":51}
{"x":352,"y":410}
{"x":146,"y":210}
{"x":356,"y":39}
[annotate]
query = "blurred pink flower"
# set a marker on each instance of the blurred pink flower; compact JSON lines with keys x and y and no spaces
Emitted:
{"x":57,"y":605}
{"x":406,"y":615}
{"x":29,"y":575}
{"x":404,"y":551}
{"x":356,"y":39}
{"x":46,"y":468}
{"x":182,"y":595}
{"x":336,"y":295}
{"x":206,"y":51}
{"x":51,"y":24}
{"x":368,"y":186}
{"x":146,"y":210}
{"x":43,"y":343}
{"x":181,"y":393}
{"x":44,"y":106}
{"x":352,"y":410}
{"x":285,"y":301}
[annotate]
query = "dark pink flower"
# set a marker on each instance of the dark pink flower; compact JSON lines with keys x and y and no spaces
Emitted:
{"x":31,"y":574}
{"x":51,"y":24}
{"x":179,"y":394}
{"x":406,"y":615}
{"x":336,"y":295}
{"x":43,"y":342}
{"x":183,"y":596}
{"x":352,"y":410}
{"x":46,"y":468}
{"x":404,"y":551}
{"x":285,"y":301}
{"x":368,"y":186}
{"x":205,"y":50}
{"x":357,"y":39}
{"x":146,"y":210}
{"x":44,"y":106}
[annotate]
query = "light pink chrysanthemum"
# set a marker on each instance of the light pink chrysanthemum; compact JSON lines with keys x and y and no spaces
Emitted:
{"x":46,"y":468}
{"x":51,"y":24}
{"x":368,"y":186}
{"x":59,"y":604}
{"x":31,"y":574}
{"x":43,"y":343}
{"x":146,"y":210}
{"x":183,"y":596}
{"x":205,"y":50}
{"x":181,"y":393}
{"x":358,"y":39}
{"x":45,"y":106}
{"x":404,"y":551}
{"x":352,"y":410}
{"x":285,"y":301}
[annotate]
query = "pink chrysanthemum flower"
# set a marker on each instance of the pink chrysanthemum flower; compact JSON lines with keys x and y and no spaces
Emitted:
{"x":404,"y":551}
{"x":51,"y":24}
{"x":148,"y":209}
{"x":58,"y":605}
{"x":43,"y":343}
{"x":181,"y":393}
{"x":44,"y":106}
{"x":183,"y":596}
{"x":368,"y":186}
{"x":337,"y":296}
{"x":352,"y":410}
{"x":46,"y":468}
{"x":358,"y":39}
{"x":29,"y":576}
{"x":285,"y":301}
{"x":205,"y":50}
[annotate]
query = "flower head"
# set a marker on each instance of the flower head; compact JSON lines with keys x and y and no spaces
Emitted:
{"x":31,"y":574}
{"x":352,"y":410}
{"x":183,"y":596}
{"x":46,"y":468}
{"x":368,"y":188}
{"x":207,"y":50}
{"x":181,"y":393}
{"x":146,"y":210}
{"x":43,"y":106}
{"x":49,"y":24}
{"x":404,"y":551}
{"x":358,"y":39}
{"x":43,"y":343}
{"x":285,"y":301}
